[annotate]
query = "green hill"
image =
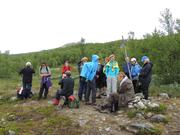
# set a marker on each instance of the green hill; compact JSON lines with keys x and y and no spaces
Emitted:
{"x":164,"y":52}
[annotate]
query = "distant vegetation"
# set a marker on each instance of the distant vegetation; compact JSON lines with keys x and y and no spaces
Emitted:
{"x":164,"y":52}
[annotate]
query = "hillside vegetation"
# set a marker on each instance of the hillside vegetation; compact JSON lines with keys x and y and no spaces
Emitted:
{"x":164,"y":52}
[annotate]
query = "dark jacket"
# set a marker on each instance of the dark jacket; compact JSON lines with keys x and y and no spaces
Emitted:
{"x":27,"y":74}
{"x":125,"y":67}
{"x":146,"y":73}
{"x":101,"y":80}
{"x":67,"y":85}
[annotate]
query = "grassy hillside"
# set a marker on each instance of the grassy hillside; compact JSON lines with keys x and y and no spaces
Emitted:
{"x":162,"y":50}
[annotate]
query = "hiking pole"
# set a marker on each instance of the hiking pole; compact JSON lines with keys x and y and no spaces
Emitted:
{"x":125,"y":53}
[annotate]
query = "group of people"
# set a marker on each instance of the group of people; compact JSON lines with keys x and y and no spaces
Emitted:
{"x":95,"y":79}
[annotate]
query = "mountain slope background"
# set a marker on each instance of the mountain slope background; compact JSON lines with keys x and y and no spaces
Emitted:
{"x":163,"y":51}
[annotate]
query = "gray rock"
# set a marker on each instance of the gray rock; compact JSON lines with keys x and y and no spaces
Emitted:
{"x":139,"y":116}
{"x":108,"y":129}
{"x":153,"y":105}
{"x":2,"y":119}
{"x":82,"y":122}
{"x":149,"y":114}
{"x":158,"y":118}
{"x":171,"y":107}
{"x":140,"y":105}
{"x":10,"y":132}
{"x":145,"y":102}
{"x":136,"y":127}
{"x":130,"y":106}
{"x":164,"y":95}
{"x":1,"y":97}
{"x":13,"y":98}
{"x":140,"y":95}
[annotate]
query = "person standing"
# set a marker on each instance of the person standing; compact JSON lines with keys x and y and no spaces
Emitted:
{"x":100,"y":81}
{"x":127,"y":67}
{"x":88,"y":74}
{"x":82,"y":82}
{"x":27,"y":75}
{"x":45,"y":74}
{"x":135,"y":71}
{"x":111,"y":71}
{"x":145,"y":75}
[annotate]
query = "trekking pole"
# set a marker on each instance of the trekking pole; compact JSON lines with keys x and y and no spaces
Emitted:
{"x":125,"y":53}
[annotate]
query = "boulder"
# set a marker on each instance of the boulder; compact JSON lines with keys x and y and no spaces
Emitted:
{"x":139,"y":116}
{"x":140,"y":105}
{"x":13,"y":98}
{"x":136,"y":127}
{"x":153,"y":105}
{"x":140,"y":95}
{"x":10,"y":132}
{"x":158,"y":118}
{"x":164,"y":95}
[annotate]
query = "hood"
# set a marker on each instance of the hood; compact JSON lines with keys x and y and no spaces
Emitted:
{"x":95,"y":58}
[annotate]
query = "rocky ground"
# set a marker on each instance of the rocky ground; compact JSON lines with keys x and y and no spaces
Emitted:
{"x":88,"y":121}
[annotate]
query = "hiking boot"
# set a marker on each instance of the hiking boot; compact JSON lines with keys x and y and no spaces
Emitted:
{"x":88,"y":103}
{"x":94,"y":104}
{"x":104,"y":111}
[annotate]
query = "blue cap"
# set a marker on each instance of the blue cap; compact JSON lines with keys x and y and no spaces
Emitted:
{"x":144,"y":58}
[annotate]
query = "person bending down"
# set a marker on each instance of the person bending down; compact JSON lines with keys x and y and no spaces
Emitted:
{"x":124,"y":95}
{"x":67,"y":88}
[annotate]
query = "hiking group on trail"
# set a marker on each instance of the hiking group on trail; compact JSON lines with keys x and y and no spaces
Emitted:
{"x":96,"y":79}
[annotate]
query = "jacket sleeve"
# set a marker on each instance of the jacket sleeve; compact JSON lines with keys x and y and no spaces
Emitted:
{"x":83,"y":71}
{"x":89,"y":72}
{"x":144,"y":72}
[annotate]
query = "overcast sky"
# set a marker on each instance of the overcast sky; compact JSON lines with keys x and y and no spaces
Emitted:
{"x":33,"y":25}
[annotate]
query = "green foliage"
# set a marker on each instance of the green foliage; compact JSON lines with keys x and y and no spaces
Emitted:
{"x":162,"y":50}
{"x":172,"y":90}
{"x":155,"y":131}
{"x":132,"y":113}
{"x":157,"y":110}
{"x":162,"y":109}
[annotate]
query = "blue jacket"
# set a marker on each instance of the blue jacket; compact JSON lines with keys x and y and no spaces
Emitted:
{"x":112,"y":69}
{"x":89,"y":68}
{"x":135,"y":71}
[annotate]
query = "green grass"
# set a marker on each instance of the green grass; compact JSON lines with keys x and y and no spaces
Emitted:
{"x":25,"y":120}
{"x":155,"y":131}
{"x":162,"y":109}
{"x":172,"y":90}
{"x":157,"y":110}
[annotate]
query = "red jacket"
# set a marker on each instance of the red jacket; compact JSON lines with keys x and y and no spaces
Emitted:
{"x":65,"y":68}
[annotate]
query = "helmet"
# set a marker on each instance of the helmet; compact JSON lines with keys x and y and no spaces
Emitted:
{"x":133,"y":60}
{"x":28,"y":64}
{"x":144,"y":58}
